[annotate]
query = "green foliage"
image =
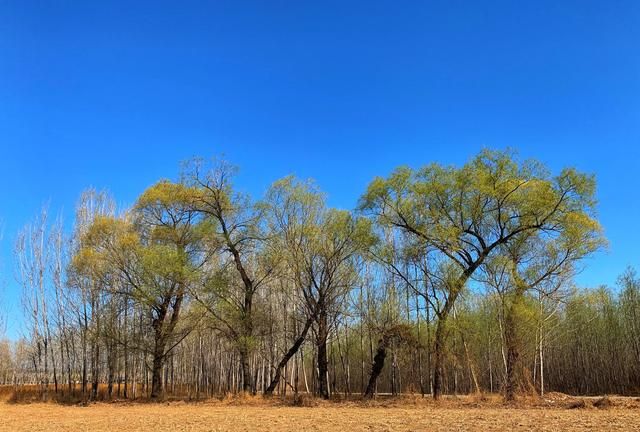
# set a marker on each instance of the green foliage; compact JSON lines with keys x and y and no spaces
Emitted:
{"x":149,"y":253}
{"x":307,"y":231}
{"x":493,"y":206}
{"x":490,"y":199}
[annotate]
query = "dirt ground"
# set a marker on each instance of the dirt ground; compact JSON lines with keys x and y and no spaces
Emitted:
{"x":623,"y":414}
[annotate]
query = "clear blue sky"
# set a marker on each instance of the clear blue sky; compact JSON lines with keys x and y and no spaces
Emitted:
{"x":115,"y":94}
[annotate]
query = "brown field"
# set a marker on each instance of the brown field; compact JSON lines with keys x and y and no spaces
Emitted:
{"x":557,"y":413}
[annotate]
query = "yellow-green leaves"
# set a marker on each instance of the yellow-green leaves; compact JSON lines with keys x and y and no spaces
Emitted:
{"x":467,"y":211}
{"x":150,"y":250}
{"x":494,"y":215}
{"x":106,"y":241}
{"x":168,"y":194}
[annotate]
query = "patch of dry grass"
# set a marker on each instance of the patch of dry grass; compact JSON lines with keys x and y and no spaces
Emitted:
{"x":249,"y":413}
{"x":219,"y":416}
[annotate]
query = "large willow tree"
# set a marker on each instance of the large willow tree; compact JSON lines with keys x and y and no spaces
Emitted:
{"x":461,"y":216}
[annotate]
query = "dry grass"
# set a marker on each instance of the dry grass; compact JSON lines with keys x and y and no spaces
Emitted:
{"x":470,"y":413}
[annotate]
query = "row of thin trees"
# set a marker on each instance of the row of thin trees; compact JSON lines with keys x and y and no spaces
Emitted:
{"x":443,"y":280}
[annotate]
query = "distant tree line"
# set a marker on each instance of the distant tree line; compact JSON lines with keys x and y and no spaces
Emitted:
{"x":443,"y":280}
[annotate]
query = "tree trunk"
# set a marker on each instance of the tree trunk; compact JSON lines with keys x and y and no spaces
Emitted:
{"x":440,"y":336}
{"x":541,"y":361}
{"x":323,"y":361}
{"x":246,"y":370}
{"x":376,"y":368}
{"x":438,"y":355}
{"x":512,"y":342}
{"x":156,"y":373}
{"x":289,"y":354}
{"x":158,"y":360}
{"x":95,"y":369}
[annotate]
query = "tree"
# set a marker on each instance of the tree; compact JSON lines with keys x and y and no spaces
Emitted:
{"x":86,"y":292}
{"x":291,"y":207}
{"x":540,"y":260}
{"x":150,"y":255}
{"x":629,"y":282}
{"x":322,"y":246}
{"x":398,"y":334}
{"x":239,"y":241}
{"x":33,"y":261}
{"x":461,"y":216}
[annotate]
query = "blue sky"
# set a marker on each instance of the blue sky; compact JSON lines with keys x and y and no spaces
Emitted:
{"x":115,"y":94}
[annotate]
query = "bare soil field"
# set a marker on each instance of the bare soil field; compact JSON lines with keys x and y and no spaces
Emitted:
{"x":249,"y":414}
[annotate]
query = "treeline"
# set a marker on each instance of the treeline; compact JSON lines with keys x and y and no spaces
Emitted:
{"x":443,"y":280}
